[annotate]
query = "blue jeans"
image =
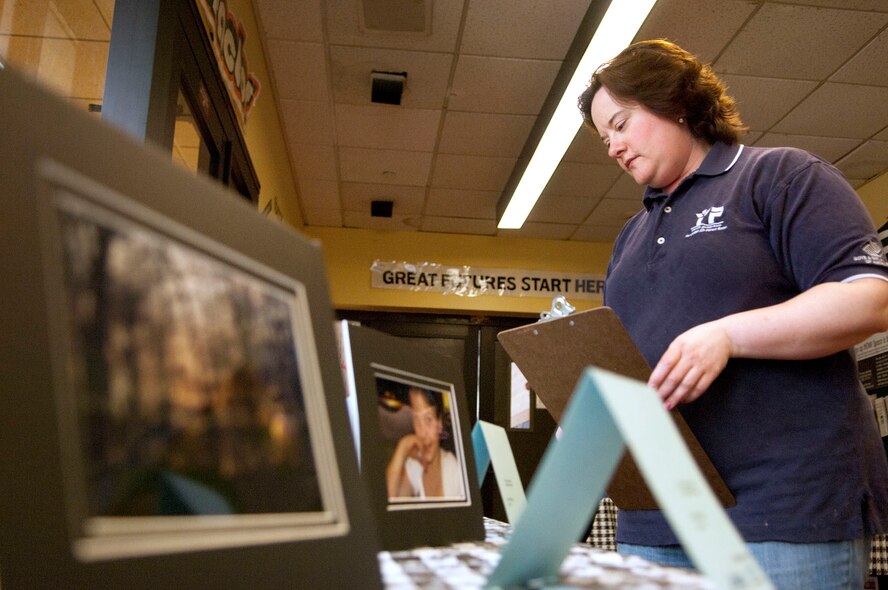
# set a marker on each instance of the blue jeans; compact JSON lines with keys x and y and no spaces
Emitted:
{"x":837,"y":565}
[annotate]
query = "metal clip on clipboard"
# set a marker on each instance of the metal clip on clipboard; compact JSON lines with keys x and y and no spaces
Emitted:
{"x":560,"y":308}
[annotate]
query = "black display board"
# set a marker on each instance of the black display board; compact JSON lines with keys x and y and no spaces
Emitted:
{"x":415,"y":440}
{"x":172,"y":413}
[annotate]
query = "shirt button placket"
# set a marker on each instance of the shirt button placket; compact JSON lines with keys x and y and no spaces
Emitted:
{"x":666,"y":210}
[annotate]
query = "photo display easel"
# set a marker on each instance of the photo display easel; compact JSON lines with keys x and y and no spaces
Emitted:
{"x":552,"y":354}
{"x":404,"y":390}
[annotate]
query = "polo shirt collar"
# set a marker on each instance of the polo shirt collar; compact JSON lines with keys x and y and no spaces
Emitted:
{"x":720,"y":158}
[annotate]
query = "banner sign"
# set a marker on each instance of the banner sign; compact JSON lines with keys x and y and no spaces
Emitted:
{"x":228,"y":39}
{"x":470,"y":281}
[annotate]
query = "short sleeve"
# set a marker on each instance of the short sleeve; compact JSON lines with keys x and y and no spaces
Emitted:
{"x":818,"y":227}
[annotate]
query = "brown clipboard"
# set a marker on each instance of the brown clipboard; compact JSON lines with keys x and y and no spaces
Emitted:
{"x":552,"y":355}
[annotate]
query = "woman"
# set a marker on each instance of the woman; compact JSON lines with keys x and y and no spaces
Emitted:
{"x":419,"y":467}
{"x":745,"y":280}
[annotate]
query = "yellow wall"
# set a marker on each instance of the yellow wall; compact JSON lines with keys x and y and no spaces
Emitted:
{"x":350,"y":253}
{"x":263,"y":131}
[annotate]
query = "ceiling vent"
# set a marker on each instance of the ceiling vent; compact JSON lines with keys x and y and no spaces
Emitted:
{"x":396,"y":16}
{"x":387,"y":87}
{"x":381,"y":208}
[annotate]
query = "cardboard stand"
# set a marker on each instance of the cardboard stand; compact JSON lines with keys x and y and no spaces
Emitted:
{"x":607,"y":413}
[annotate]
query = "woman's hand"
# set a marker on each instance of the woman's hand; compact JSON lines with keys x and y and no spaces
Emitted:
{"x":691,"y":363}
{"x":409,"y":446}
{"x":395,"y":476}
{"x":823,"y":320}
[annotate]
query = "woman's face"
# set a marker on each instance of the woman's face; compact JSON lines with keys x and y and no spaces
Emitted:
{"x":655,"y":151}
{"x":426,"y":425}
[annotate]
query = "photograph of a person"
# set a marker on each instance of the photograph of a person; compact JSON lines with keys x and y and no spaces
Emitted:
{"x":425,"y":457}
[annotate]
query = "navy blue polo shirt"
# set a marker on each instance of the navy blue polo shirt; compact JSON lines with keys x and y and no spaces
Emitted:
{"x":796,"y":441}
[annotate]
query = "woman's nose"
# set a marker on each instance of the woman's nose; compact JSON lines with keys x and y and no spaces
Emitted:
{"x":614,"y":149}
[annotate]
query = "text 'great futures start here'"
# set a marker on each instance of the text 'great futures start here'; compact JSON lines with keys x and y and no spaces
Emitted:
{"x":473,"y":281}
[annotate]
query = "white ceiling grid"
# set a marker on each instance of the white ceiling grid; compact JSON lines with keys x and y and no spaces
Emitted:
{"x":810,"y":73}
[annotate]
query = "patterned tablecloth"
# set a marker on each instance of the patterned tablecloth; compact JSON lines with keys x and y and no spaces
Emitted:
{"x":594,"y":564}
{"x":604,"y":529}
{"x":465,"y":566}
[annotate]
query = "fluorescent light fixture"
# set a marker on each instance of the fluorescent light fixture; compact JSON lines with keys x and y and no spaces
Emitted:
{"x":615,"y":31}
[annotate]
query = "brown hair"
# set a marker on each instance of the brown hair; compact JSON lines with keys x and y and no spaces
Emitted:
{"x":669,"y":82}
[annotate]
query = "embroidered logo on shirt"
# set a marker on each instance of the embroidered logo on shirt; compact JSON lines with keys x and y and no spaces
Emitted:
{"x":708,"y":220}
{"x":872,"y":251}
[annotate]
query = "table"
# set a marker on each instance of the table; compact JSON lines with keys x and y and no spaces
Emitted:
{"x":465,"y":566}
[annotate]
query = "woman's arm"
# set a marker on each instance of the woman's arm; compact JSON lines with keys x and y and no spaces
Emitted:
{"x":395,"y":476}
{"x":818,"y":322}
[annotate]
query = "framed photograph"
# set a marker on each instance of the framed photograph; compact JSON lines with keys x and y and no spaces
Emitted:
{"x":416,"y":452}
{"x":421,"y":434}
{"x":173,"y":414}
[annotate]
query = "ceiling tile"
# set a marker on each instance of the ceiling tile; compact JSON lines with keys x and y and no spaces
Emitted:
{"x":874,"y":5}
{"x":750,"y":137}
{"x":323,"y":217}
{"x":58,"y":19}
{"x":387,"y":127}
{"x":828,"y":148}
{"x":427,"y":75}
{"x":317,"y":162}
{"x":839,"y":110}
{"x":595,"y":233}
{"x":384,"y":166}
{"x":699,"y":26}
{"x":799,"y":42}
{"x":462,"y":203}
{"x":536,"y":29}
{"x":613,"y":212}
{"x":300,"y":70}
{"x":69,"y":68}
{"x":764,"y":101}
{"x":484,"y":134}
{"x":407,"y":200}
{"x":452,"y":225}
{"x":294,"y":21}
{"x":354,"y":219}
{"x":868,"y":66}
{"x":319,"y":194}
{"x":561,"y":209}
{"x":543,"y":231}
{"x":106,"y":9}
{"x":308,"y":122}
{"x":344,"y":27}
{"x":588,"y":148}
{"x":866,"y":161}
{"x":472,"y":172}
{"x":500,"y":85}
{"x":627,"y":189}
{"x":582,"y":180}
